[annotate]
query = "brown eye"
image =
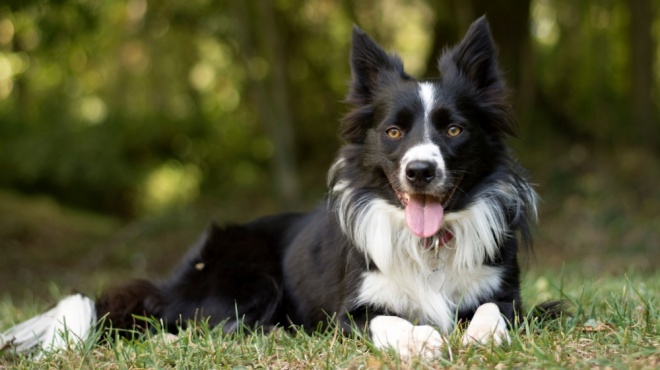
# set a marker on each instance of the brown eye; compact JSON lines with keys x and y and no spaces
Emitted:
{"x":394,"y":133}
{"x":454,"y":131}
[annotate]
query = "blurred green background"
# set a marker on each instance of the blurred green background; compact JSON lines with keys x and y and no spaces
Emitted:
{"x":125,"y":126}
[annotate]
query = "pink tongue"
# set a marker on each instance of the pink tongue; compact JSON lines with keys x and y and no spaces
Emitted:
{"x":424,"y":215}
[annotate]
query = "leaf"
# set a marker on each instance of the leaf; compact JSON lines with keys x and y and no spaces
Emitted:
{"x":594,"y":326}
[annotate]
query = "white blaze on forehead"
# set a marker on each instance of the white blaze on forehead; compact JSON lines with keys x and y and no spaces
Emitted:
{"x":424,"y":152}
{"x":427,"y":96}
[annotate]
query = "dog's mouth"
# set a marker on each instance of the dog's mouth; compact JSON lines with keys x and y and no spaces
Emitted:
{"x":424,"y":212}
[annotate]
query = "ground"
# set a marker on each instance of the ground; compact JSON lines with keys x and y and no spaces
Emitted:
{"x":615,"y":297}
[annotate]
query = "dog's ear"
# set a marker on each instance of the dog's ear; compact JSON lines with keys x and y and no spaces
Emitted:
{"x":475,"y":59}
{"x":475,"y":56}
{"x":371,"y":67}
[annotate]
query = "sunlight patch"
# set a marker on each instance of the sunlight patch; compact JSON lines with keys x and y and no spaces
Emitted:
{"x":172,"y":184}
{"x":544,"y":23}
{"x":91,"y":109}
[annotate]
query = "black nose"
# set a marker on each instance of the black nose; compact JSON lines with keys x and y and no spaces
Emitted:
{"x":420,"y":172}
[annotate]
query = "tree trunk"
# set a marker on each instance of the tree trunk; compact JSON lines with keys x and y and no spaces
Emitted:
{"x":445,"y":33}
{"x":642,"y":51}
{"x":260,"y":36}
{"x":509,"y":23}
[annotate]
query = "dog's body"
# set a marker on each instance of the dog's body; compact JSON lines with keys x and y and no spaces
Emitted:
{"x":421,"y":223}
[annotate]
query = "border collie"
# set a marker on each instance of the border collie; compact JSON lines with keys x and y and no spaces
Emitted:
{"x":420,"y":230}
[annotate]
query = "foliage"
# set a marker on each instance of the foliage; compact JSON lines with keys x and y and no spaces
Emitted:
{"x":131,"y":107}
{"x":105,"y":104}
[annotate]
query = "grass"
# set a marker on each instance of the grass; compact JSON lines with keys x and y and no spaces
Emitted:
{"x":615,"y":287}
{"x":615,"y":326}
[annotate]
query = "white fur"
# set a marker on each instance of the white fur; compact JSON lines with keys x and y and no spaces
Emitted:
{"x":430,"y":299}
{"x":415,"y":282}
{"x":487,"y":324}
{"x":518,"y":199}
{"x":427,"y":285}
{"x":478,"y":230}
{"x":427,"y":96}
{"x":340,"y":186}
{"x":428,"y":152}
{"x":334,"y":168}
{"x":407,"y":339}
{"x":69,"y":323}
{"x":424,"y":152}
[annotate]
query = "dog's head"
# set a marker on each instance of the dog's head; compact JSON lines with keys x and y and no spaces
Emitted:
{"x":429,"y":143}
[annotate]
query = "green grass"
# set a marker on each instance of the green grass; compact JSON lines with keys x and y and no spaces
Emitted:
{"x":615,"y":326}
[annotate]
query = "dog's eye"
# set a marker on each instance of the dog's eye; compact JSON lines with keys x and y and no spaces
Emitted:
{"x":394,"y":133}
{"x":454,"y":131}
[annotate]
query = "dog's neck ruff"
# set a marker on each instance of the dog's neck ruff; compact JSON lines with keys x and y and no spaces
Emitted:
{"x":378,"y":228}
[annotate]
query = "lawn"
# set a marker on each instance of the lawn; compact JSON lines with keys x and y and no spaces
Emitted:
{"x":615,"y":326}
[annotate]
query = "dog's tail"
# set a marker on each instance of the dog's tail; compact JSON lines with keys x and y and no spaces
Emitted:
{"x":70,"y":322}
{"x":552,"y":310}
{"x":549,"y":312}
{"x":76,"y":319}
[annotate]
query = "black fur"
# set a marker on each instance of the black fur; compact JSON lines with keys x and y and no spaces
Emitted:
{"x":303,"y":269}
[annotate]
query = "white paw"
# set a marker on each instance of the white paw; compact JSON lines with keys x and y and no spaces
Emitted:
{"x":407,"y":339}
{"x":165,"y":338}
{"x":487,"y":324}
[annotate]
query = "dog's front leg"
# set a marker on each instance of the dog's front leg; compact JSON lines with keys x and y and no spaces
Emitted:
{"x":407,"y":339}
{"x":487,"y":324}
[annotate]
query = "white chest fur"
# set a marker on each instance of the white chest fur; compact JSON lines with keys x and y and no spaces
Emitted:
{"x":425,"y":286}
{"x":428,"y":297}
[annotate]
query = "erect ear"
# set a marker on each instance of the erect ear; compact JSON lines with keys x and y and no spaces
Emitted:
{"x":371,"y":67}
{"x":475,"y":56}
{"x":474,"y":60}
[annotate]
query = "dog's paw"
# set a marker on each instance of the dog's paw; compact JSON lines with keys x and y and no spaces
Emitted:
{"x":486,"y":325}
{"x":164,"y":339}
{"x":407,"y":339}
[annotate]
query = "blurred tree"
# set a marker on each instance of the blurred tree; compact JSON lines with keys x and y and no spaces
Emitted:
{"x":642,"y":54}
{"x":131,"y":107}
{"x":264,"y":52}
{"x":508,"y":21}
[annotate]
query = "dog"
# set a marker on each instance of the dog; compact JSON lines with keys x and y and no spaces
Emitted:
{"x":420,"y":230}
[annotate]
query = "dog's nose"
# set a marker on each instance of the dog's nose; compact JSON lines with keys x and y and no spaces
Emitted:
{"x":420,"y":172}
